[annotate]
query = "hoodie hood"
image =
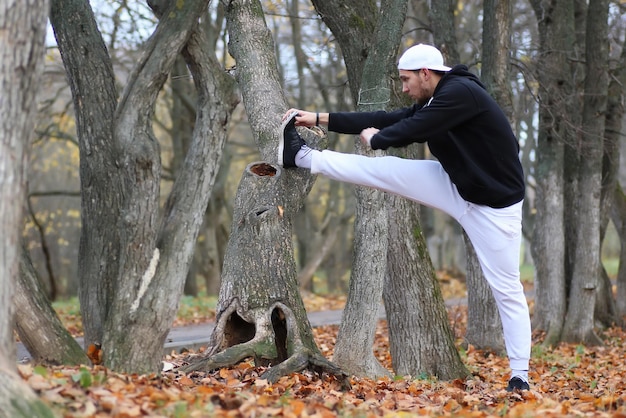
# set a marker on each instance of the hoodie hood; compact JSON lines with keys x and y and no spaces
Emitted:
{"x":461,"y":70}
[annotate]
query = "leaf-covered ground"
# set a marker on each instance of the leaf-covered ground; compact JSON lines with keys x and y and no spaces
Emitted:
{"x":567,"y":381}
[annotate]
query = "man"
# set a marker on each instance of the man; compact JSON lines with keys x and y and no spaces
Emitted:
{"x":478,"y":178}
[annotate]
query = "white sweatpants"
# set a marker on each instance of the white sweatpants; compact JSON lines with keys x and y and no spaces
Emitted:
{"x":495,"y":233}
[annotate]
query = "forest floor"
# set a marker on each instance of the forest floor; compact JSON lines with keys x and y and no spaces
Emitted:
{"x":570,"y":380}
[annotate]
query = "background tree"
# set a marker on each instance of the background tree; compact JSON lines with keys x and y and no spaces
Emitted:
{"x":556,"y":42}
{"x":613,"y":206}
{"x":619,"y":217}
{"x":585,"y":267}
{"x":22,"y":32}
{"x":569,"y":169}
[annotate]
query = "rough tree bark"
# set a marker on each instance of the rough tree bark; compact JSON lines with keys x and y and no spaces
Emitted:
{"x":421,"y":340}
{"x":22,"y":34}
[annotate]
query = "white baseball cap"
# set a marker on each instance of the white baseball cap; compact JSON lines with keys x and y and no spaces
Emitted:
{"x":422,"y":56}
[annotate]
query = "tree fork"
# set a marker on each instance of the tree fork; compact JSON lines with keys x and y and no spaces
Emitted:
{"x":260,"y":312}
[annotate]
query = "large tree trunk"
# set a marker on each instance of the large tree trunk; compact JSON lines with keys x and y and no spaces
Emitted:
{"x":260,"y":313}
{"x":353,"y":349}
{"x":579,"y":321}
{"x":556,"y":30}
{"x":421,"y":340}
{"x":133,"y":262}
{"x":34,"y":313}
{"x":22,"y":34}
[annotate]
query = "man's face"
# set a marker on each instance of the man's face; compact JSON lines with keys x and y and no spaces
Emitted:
{"x":416,"y":85}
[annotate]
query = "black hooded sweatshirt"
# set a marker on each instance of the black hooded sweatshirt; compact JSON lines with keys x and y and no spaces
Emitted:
{"x":466,"y":131}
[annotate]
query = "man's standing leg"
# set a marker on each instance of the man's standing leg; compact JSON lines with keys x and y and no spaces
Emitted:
{"x":496,"y":236}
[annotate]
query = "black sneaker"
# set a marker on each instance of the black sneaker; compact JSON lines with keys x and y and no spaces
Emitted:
{"x":517,"y":383}
{"x":291,"y":142}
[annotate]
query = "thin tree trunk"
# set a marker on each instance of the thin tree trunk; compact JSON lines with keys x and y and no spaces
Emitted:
{"x":353,"y":350}
{"x":618,"y":216}
{"x":571,"y":149}
{"x":355,"y":339}
{"x":296,"y":35}
{"x":556,"y":31}
{"x":183,"y":116}
{"x":94,"y":133}
{"x":609,"y":308}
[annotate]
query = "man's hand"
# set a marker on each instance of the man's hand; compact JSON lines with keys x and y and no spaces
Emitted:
{"x":304,"y":118}
{"x":366,"y":136}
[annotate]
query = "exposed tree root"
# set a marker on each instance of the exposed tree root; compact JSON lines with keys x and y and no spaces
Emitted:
{"x":276,"y":342}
